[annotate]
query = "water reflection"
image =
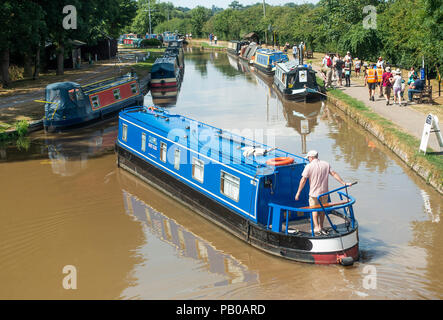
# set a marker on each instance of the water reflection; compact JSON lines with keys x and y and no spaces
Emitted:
{"x":186,"y":243}
{"x":69,"y":154}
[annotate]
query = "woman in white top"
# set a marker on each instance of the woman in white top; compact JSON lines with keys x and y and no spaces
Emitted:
{"x":397,"y":86}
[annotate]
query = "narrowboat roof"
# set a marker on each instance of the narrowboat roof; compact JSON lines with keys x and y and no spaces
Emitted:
{"x":175,"y":43}
{"x":62,"y":85}
{"x":100,"y":85}
{"x":166,"y":123}
{"x":291,"y":66}
{"x":90,"y":88}
{"x":270,"y":52}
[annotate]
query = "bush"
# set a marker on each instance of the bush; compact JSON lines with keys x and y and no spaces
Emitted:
{"x":150,"y":43}
{"x":22,"y":127}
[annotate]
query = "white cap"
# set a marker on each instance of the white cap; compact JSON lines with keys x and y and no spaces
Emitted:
{"x":312,"y":153}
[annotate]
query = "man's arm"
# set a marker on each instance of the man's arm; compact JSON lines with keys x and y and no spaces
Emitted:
{"x":338,"y":178}
{"x":300,"y":187}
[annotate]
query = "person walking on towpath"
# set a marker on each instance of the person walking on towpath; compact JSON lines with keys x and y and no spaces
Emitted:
{"x":317,"y":171}
{"x":295,"y":52}
{"x":327,"y":70}
{"x":379,"y":72}
{"x":371,"y":80}
{"x":397,"y":82}
{"x":338,"y":64}
{"x":387,"y":80}
{"x":347,"y":70}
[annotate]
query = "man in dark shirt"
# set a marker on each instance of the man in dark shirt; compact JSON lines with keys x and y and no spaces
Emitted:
{"x":415,"y":87}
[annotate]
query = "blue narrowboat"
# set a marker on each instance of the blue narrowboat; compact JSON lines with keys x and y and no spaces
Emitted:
{"x":68,"y":104}
{"x":169,"y":36}
{"x":266,"y":60}
{"x":297,"y":81}
{"x":241,"y":185}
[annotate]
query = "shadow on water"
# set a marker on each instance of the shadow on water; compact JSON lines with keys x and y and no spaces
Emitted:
{"x":61,"y":148}
{"x":186,"y":243}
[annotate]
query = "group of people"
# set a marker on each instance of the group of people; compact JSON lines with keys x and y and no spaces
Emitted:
{"x":212,"y":37}
{"x":379,"y":75}
{"x":334,"y":66}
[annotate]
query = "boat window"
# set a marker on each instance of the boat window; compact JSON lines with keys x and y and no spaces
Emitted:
{"x":230,"y":185}
{"x":125,"y":132}
{"x":143,"y":142}
{"x":283,"y":78}
{"x":134,"y":88}
{"x":163,"y":149}
{"x":95,"y":101}
{"x":198,"y":169}
{"x":117,"y":94}
{"x":177,"y":159}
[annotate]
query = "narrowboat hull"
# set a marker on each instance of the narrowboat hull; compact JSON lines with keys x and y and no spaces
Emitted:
{"x":298,"y":94}
{"x":232,"y":53}
{"x":268,"y":70}
{"x":98,"y":115}
{"x":318,"y":250}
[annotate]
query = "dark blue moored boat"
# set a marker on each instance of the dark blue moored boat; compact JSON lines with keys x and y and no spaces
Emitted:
{"x":266,"y":60}
{"x":166,"y":74}
{"x":296,"y":81}
{"x":69,"y":104}
{"x":243,"y":186}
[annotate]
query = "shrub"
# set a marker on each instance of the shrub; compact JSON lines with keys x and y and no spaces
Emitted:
{"x":22,"y":127}
{"x":150,"y":43}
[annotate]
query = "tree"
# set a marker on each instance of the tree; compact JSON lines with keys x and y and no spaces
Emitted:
{"x":235,"y":5}
{"x":199,"y":16}
{"x":23,"y":18}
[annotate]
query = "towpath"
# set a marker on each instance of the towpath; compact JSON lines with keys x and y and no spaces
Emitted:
{"x":20,"y":104}
{"x":407,"y":118}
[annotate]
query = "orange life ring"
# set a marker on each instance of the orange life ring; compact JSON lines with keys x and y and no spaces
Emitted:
{"x":280,"y":161}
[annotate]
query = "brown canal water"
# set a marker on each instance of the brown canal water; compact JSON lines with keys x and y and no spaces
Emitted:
{"x":65,"y":203}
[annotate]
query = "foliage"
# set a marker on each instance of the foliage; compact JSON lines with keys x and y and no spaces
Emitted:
{"x":22,"y":127}
{"x":150,"y":42}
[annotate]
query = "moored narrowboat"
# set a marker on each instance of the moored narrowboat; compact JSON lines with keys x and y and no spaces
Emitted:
{"x":165,"y":73}
{"x":234,"y":47}
{"x":68,"y":104}
{"x":266,"y":60}
{"x":247,"y":52}
{"x":297,"y":82}
{"x":243,"y":186}
{"x":178,"y":53}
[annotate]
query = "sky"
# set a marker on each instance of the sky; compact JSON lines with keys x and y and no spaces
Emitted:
{"x":224,"y":3}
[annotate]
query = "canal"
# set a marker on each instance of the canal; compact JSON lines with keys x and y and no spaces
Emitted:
{"x":64,"y":203}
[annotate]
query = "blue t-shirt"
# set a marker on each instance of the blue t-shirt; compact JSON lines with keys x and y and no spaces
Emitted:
{"x":418,"y":84}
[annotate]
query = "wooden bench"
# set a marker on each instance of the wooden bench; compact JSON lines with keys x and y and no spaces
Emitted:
{"x":424,"y":95}
{"x":309,"y":54}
